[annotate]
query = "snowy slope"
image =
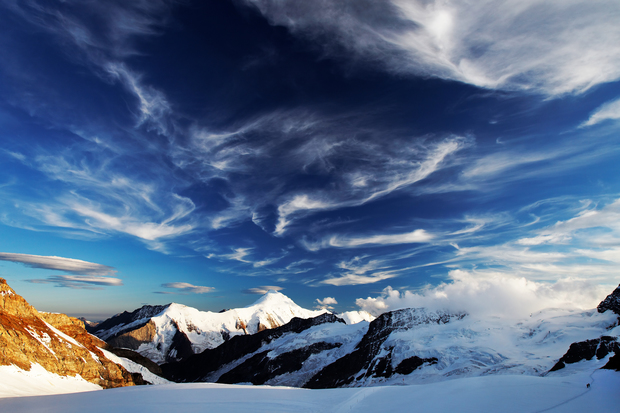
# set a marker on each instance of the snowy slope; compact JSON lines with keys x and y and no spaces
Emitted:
{"x":16,"y":382}
{"x":205,"y":329}
{"x":354,"y":317}
{"x":506,"y":394}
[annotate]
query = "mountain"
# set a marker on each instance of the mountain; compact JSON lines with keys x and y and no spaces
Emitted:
{"x":173,"y":332}
{"x":54,"y":344}
{"x":408,"y":346}
{"x":602,"y":346}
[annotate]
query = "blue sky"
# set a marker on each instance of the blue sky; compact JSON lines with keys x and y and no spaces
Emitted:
{"x":376,"y":153}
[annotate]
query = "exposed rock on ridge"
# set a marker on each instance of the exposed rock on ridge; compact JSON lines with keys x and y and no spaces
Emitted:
{"x":197,"y":367}
{"x":611,"y":302}
{"x":57,"y":342}
{"x":364,"y":359}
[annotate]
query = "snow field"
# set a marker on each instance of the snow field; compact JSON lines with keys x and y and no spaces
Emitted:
{"x":506,"y":394}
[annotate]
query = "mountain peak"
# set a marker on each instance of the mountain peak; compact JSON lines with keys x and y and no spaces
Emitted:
{"x":272,"y":297}
{"x":611,"y":302}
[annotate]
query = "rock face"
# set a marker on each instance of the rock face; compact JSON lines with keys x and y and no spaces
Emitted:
{"x":57,"y":342}
{"x":612,"y":302}
{"x":370,"y":359}
{"x":587,"y":350}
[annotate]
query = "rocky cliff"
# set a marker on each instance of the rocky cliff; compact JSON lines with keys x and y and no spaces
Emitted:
{"x":57,"y":342}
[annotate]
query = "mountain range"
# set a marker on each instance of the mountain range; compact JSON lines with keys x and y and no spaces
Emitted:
{"x":173,"y":332}
{"x":276,"y":342}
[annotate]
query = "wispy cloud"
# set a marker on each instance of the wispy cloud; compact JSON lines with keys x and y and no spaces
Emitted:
{"x":609,"y":111}
{"x":342,"y":241}
{"x":238,"y":254}
{"x":59,"y":264}
{"x":263,"y":289}
{"x":185,"y":288}
{"x":546,"y":47}
{"x":384,"y":173}
{"x":79,"y":282}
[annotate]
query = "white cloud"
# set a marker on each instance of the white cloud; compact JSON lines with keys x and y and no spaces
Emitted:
{"x":358,"y":279}
{"x":610,"y":110}
{"x":263,"y":289}
{"x":550,"y":47}
{"x":492,"y":294}
{"x":187,"y":288}
{"x":59,"y":264}
{"x":341,"y":241}
{"x":326,"y":303}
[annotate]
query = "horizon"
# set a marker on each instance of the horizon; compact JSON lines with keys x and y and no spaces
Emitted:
{"x":352,"y":158}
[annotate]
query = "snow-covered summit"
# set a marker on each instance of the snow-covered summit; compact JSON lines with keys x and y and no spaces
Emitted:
{"x":177,"y":331}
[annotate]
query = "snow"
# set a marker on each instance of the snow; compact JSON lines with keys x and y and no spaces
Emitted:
{"x":204,"y":328}
{"x":354,"y":317}
{"x":134,"y":367}
{"x":38,"y":381}
{"x":477,"y":347}
{"x":347,"y":335}
{"x":477,"y":394}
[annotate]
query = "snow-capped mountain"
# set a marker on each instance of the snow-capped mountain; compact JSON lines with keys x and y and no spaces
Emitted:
{"x":409,"y":346}
{"x":174,"y":331}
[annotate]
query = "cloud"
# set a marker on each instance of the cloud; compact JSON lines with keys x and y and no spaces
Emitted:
{"x":339,"y":241}
{"x":59,"y":264}
{"x":152,"y":103}
{"x":238,"y":254}
{"x":79,"y":282}
{"x":385,"y":169}
{"x":97,"y":30}
{"x":326,"y":303}
{"x":491,"y":294}
{"x":263,"y":289}
{"x":610,"y":110}
{"x":589,"y":219}
{"x":545,"y":47}
{"x":186,"y":288}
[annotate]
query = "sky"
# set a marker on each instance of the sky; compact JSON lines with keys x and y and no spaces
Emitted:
{"x":352,"y":154}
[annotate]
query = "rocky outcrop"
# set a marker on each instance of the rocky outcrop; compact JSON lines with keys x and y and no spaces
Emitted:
{"x":59,"y":343}
{"x":113,"y":326}
{"x":133,"y":338}
{"x":197,"y":367}
{"x":260,"y":368}
{"x":611,"y":302}
{"x":587,"y":350}
{"x":369,"y":358}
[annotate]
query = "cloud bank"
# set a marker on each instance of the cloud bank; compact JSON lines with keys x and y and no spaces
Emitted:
{"x":492,"y":295}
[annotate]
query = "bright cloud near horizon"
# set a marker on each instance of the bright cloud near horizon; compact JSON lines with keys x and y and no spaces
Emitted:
{"x":377,"y":154}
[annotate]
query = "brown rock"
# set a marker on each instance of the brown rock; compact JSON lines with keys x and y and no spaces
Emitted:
{"x":57,"y":342}
{"x":132,"y":339}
